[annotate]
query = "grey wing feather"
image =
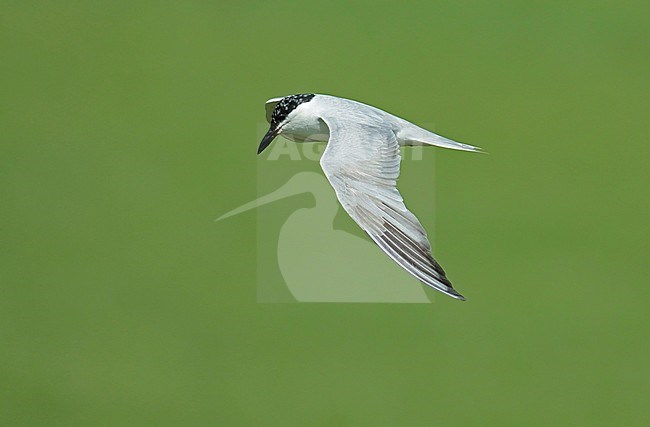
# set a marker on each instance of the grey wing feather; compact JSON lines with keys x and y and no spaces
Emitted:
{"x":362,"y":163}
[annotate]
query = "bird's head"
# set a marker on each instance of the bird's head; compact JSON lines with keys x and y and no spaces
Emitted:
{"x":279,"y":112}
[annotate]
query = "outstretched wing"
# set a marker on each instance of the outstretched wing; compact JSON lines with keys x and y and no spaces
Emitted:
{"x":362,"y":163}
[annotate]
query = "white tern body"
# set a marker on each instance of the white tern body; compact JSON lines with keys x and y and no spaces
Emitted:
{"x":362,"y":163}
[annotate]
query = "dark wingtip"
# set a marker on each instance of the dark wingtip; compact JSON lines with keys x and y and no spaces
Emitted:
{"x":452,"y":293}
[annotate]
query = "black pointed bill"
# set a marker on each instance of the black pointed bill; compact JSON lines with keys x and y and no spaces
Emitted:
{"x":268,"y":138}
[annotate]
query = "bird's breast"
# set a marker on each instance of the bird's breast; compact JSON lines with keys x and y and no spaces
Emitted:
{"x":306,"y":129}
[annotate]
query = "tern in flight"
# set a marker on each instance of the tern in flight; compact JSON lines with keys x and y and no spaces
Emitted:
{"x":362,"y":163}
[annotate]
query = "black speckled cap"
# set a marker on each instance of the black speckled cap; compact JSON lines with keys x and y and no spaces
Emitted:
{"x":287,"y":105}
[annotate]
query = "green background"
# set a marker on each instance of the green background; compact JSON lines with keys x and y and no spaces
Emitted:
{"x":127,"y":127}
